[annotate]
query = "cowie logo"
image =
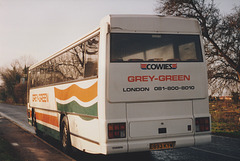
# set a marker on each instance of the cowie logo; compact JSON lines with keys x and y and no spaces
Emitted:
{"x":158,"y":66}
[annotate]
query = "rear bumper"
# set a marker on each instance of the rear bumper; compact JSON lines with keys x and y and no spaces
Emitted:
{"x":144,"y":144}
{"x":203,"y":139}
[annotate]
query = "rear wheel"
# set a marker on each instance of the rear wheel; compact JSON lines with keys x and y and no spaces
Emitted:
{"x":65,"y":136}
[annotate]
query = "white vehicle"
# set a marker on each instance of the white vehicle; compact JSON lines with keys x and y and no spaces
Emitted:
{"x":137,"y":83}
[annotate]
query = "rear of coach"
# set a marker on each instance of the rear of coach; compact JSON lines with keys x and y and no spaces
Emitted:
{"x":156,"y":93}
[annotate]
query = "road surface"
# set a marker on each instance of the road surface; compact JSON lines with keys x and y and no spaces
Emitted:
{"x":221,"y":148}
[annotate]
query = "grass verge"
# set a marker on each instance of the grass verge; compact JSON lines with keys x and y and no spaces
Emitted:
{"x":234,"y":134}
{"x":226,"y":129}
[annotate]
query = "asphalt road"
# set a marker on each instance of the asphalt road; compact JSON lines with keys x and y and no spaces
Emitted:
{"x":221,"y":148}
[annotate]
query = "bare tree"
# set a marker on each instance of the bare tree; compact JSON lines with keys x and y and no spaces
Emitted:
{"x":10,"y":77}
{"x":221,"y":39}
{"x":12,"y":90}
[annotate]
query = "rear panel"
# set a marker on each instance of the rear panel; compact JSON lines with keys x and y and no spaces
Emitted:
{"x":128,"y":82}
{"x":156,"y":83}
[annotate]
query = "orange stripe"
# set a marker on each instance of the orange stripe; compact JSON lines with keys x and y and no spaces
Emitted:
{"x":53,"y":120}
{"x":85,"y":95}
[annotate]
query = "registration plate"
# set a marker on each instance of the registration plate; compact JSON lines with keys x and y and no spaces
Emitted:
{"x":161,"y":146}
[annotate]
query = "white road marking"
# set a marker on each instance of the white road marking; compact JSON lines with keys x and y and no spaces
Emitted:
{"x":15,"y":144}
{"x":207,"y":151}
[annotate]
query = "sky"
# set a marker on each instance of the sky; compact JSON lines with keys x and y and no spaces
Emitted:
{"x":40,"y":28}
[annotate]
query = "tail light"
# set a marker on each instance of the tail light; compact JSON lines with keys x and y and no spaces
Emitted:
{"x":202,"y":124}
{"x":116,"y":130}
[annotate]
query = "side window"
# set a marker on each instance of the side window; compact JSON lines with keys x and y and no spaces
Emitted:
{"x":59,"y":69}
{"x":64,"y":67}
{"x":32,"y":79}
{"x":43,"y":74}
{"x":70,"y":65}
{"x":38,"y":76}
{"x":77,"y":63}
{"x":49,"y":72}
{"x":91,"y":65}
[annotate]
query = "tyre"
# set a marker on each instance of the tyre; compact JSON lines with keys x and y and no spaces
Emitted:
{"x":65,"y":136}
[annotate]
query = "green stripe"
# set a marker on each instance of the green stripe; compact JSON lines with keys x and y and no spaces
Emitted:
{"x":74,"y":107}
{"x":49,"y":131}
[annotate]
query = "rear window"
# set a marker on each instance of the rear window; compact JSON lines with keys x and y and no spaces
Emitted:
{"x":155,"y":48}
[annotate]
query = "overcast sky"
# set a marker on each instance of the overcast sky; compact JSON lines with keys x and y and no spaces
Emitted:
{"x":39,"y":28}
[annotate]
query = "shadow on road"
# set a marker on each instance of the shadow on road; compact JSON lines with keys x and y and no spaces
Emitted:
{"x":82,"y":156}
